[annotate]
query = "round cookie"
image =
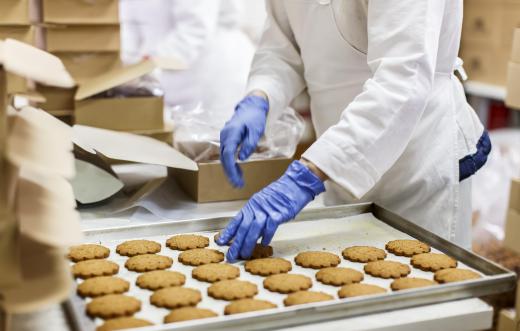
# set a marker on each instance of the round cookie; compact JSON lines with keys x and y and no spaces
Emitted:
{"x":175,"y":297}
{"x":363,"y":254}
{"x":410,"y":282}
{"x":387,"y":269}
{"x":113,"y":305}
{"x":148,"y":262}
{"x":233,"y":289}
{"x":215,"y":272}
{"x":88,"y":252}
{"x":455,"y":275}
{"x":407,"y":247}
{"x":188,"y":314}
{"x":200,"y":256}
{"x":261,"y":251}
{"x":138,"y":247}
{"x":98,"y":286}
{"x":317,"y":260}
{"x":339,"y":276}
{"x":123,"y":323}
{"x":158,"y":279}
{"x":247,"y":305}
{"x":94,"y":268}
{"x":287,"y":283}
{"x":184,"y":242}
{"x":432,"y":262}
{"x":356,"y":290}
{"x":301,"y":297}
{"x":268,"y":266}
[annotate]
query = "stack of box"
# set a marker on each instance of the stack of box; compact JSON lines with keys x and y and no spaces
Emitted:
{"x":513,"y":74}
{"x":487,"y":35}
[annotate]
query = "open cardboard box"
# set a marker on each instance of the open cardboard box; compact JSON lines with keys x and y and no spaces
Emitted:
{"x":81,"y":38}
{"x":80,"y":11}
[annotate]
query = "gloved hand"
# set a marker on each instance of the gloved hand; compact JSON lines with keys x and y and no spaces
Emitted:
{"x":244,"y":129}
{"x":266,"y":210}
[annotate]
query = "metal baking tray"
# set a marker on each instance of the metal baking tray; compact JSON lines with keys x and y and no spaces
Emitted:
{"x":329,"y":228}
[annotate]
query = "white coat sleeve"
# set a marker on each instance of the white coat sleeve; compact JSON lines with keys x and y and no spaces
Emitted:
{"x":277,"y":67}
{"x":195,"y":24}
{"x":375,"y":128}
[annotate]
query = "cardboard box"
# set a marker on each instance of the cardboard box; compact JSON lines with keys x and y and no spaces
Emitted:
{"x":80,"y":11}
{"x":165,"y":135}
{"x":512,"y":230}
{"x":14,"y":12}
{"x":514,"y":195}
{"x":509,"y":22}
{"x":515,"y":52}
{"x":56,"y":98}
{"x":87,"y":65}
{"x":210,"y":184}
{"x":486,"y":64}
{"x":507,"y":320}
{"x":481,"y":24}
{"x":23,"y":33}
{"x":513,"y":86}
{"x":81,"y":38}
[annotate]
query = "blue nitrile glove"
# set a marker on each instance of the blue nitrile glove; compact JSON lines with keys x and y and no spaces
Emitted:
{"x":244,"y":129}
{"x":266,"y":210}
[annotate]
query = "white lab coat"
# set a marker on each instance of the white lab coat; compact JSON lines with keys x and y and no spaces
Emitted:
{"x":205,"y":34}
{"x":391,"y":118}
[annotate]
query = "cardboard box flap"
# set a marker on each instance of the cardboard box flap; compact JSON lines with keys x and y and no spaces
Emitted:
{"x":93,"y":184}
{"x":27,"y":61}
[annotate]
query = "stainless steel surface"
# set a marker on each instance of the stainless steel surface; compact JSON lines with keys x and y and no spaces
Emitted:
{"x":496,"y":279}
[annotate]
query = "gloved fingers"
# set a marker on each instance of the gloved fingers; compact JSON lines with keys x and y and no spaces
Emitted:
{"x":229,"y":232}
{"x":248,"y":145}
{"x":255,"y":231}
{"x":271,"y":225}
{"x":231,"y":168}
{"x":233,"y":252}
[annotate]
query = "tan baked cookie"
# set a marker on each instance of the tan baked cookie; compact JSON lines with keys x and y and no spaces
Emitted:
{"x":148,"y":262}
{"x":339,"y":276}
{"x":113,"y":305}
{"x":122,"y":323}
{"x":247,"y":305}
{"x":138,"y":247}
{"x":94,"y":268}
{"x":233,"y":289}
{"x":88,"y":252}
{"x":155,"y":280}
{"x":317,"y":260}
{"x":387,"y":269}
{"x":301,"y":297}
{"x":287,"y":283}
{"x":363,"y":254}
{"x":410,"y":282}
{"x":98,"y":286}
{"x":356,"y":290}
{"x":215,"y":272}
{"x":432,"y":261}
{"x":268,"y":266}
{"x":455,"y":275}
{"x":184,"y":242}
{"x":175,"y":297}
{"x":188,"y":314}
{"x":261,"y":252}
{"x":407,"y":247}
{"x":200,"y":256}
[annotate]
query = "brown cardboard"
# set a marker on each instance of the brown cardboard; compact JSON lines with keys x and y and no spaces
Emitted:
{"x":56,"y":98}
{"x":507,"y":320}
{"x":514,"y":195}
{"x":515,"y":52}
{"x":486,"y":64}
{"x":82,"y":38}
{"x":210,"y":184}
{"x":83,"y":66}
{"x":164,"y":135}
{"x":80,"y":11}
{"x":510,"y":21}
{"x":14,"y":12}
{"x":481,"y":24}
{"x":93,"y":184}
{"x":23,"y":33}
{"x":512,"y":230}
{"x":513,"y":86}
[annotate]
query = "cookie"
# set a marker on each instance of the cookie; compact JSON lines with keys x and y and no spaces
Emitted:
{"x":287,"y":283}
{"x":410,"y":282}
{"x":363,"y":254}
{"x":233,"y":289}
{"x":261,"y":251}
{"x":387,"y":269}
{"x":88,"y":252}
{"x":339,"y":276}
{"x":148,"y":262}
{"x":138,"y":247}
{"x":247,"y":305}
{"x":268,"y":266}
{"x":113,"y":305}
{"x":200,"y":256}
{"x":215,"y":272}
{"x":158,"y":279}
{"x":317,"y":260}
{"x":175,"y":297}
{"x":183,"y":242}
{"x":123,"y":323}
{"x":455,"y":275}
{"x":407,"y":247}
{"x":356,"y":290}
{"x":188,"y":314}
{"x":98,"y":286}
{"x":432,"y":261}
{"x":301,"y":297}
{"x":94,"y":268}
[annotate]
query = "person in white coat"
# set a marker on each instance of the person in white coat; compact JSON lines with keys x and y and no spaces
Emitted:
{"x":391,"y":117}
{"x":204,"y":34}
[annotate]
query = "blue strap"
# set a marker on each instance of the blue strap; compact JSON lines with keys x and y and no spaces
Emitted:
{"x":470,"y":164}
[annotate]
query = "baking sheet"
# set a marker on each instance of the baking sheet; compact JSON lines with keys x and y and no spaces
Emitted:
{"x":328,"y":234}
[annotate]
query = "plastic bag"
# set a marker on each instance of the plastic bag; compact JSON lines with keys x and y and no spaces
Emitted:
{"x":145,"y":86}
